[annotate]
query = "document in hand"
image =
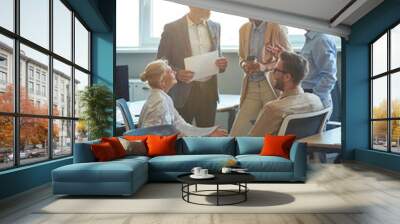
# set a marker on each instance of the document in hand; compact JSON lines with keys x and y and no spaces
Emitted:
{"x":202,"y":65}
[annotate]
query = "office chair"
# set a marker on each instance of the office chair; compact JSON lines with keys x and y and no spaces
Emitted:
{"x":306,"y":124}
{"x":131,"y":128}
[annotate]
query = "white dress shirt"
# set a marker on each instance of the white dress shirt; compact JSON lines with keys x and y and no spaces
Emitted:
{"x":199,"y":38}
{"x":159,"y":110}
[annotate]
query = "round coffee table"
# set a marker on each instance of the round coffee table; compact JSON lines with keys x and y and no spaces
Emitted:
{"x":238,"y":179}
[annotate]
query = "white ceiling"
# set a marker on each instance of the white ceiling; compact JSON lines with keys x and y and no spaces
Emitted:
{"x":315,"y":15}
{"x":321,"y":9}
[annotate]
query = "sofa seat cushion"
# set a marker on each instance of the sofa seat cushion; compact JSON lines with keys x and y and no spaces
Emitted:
{"x":185,"y":163}
{"x":113,"y":171}
{"x":257,"y":163}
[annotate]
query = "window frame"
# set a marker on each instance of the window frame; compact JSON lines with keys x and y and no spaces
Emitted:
{"x":388,"y":74}
{"x":16,"y":115}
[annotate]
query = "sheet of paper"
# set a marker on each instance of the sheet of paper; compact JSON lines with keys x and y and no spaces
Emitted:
{"x":202,"y":65}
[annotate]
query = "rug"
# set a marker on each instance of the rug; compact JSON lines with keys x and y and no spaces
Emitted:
{"x":167,"y":198}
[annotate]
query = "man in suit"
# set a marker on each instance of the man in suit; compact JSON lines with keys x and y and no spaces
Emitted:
{"x":193,"y":34}
{"x":257,"y":88}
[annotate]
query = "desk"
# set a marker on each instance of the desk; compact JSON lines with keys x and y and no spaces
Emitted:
{"x":227,"y":103}
{"x":327,"y":142}
{"x":330,"y":139}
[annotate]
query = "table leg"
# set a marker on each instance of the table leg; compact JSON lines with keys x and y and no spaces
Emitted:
{"x":195,"y":188}
{"x":245,"y":192}
{"x":188,"y":190}
{"x":217,"y":194}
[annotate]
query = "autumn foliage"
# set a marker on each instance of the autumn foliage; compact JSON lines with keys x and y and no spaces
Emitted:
{"x":33,"y":131}
{"x":380,"y":127}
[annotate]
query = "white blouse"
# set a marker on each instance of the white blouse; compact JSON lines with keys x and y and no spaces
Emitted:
{"x":159,"y":110}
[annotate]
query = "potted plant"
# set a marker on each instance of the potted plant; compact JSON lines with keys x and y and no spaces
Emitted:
{"x":96,"y":104}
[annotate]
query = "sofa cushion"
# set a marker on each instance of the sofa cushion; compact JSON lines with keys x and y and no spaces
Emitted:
{"x":161,"y":145}
{"x":185,"y":163}
{"x":277,"y":145}
{"x":134,"y":147}
{"x":257,"y":163}
{"x":249,"y":145}
{"x":206,"y":145}
{"x":116,"y":145}
{"x":104,"y":152}
{"x":112,"y":171}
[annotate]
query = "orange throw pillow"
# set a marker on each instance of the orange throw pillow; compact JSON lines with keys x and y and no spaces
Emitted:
{"x":277,"y":145}
{"x":116,"y":145}
{"x":136,"y":138}
{"x":161,"y":145}
{"x":103,"y":152}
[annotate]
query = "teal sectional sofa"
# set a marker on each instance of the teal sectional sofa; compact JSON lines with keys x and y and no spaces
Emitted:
{"x":125,"y":176}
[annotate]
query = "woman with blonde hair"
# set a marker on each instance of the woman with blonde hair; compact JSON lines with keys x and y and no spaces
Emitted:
{"x":159,"y":108}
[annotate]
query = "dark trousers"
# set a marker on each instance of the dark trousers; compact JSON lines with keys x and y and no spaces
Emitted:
{"x":200,"y":107}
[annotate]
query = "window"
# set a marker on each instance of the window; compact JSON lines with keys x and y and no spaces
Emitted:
{"x":44,"y":91}
{"x":81,"y":81}
{"x":6,"y":142}
{"x":3,"y":78}
{"x":45,"y":131}
{"x":385,"y":96}
{"x":30,"y":72}
{"x":3,"y":72}
{"x":62,"y":138}
{"x":7,"y":14}
{"x":6,"y":73}
{"x":62,"y":29}
{"x":38,"y":89}
{"x":81,"y":45}
{"x":62,"y":74}
{"x":37,"y":74}
{"x":30,"y":87}
{"x":35,"y":21}
{"x":3,"y":61}
{"x":141,"y":22}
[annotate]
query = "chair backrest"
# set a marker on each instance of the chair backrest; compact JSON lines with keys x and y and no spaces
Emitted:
{"x":306,"y":124}
{"x":126,"y":114}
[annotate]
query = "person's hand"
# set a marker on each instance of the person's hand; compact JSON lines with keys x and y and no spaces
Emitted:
{"x":270,"y":66}
{"x":251,"y":68}
{"x":185,"y":76}
{"x":221,"y":63}
{"x":219,"y":133}
{"x":274,"y":50}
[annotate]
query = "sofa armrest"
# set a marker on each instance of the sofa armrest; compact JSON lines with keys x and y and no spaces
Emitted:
{"x":83,"y":152}
{"x":298,"y":155}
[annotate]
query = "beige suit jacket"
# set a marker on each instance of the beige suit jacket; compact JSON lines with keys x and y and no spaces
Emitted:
{"x":274,"y":34}
{"x":291,"y":102}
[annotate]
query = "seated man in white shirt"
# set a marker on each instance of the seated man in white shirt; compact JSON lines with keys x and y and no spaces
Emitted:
{"x":159,"y":108}
{"x":287,"y":75}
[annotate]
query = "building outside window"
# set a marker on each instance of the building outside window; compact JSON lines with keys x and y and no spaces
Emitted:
{"x":385,"y":94}
{"x":30,"y":72}
{"x":34,"y":76}
{"x":30,"y":87}
{"x":44,"y":91}
{"x":3,"y":72}
{"x":38,"y":89}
